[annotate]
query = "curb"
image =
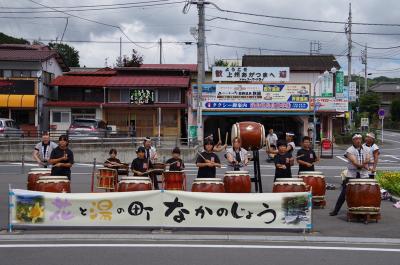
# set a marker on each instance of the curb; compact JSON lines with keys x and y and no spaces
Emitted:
{"x":176,"y":237}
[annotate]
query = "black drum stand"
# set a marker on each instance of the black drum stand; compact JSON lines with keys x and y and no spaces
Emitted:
{"x":257,"y":172}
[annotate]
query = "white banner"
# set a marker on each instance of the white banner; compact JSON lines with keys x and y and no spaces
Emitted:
{"x":162,"y":209}
{"x":352,"y":91}
{"x":255,"y":74}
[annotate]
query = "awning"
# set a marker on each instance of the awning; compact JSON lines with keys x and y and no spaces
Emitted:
{"x":17,"y":101}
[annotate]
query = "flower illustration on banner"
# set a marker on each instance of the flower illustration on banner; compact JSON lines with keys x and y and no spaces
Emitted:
{"x":36,"y":212}
{"x":62,"y":211}
{"x":30,"y":209}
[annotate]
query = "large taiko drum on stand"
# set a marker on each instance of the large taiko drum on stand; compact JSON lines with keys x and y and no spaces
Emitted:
{"x":251,"y":134}
{"x":174,"y":180}
{"x":237,"y":182}
{"x":106,"y":178}
{"x":289,"y":185}
{"x":363,"y":196}
{"x":208,"y":185}
{"x":34,"y":174}
{"x":316,"y":180}
{"x":135,"y":184}
{"x":59,"y":184}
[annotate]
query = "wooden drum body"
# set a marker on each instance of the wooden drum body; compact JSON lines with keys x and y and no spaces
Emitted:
{"x":106,"y":178}
{"x":174,"y":180}
{"x":34,"y":175}
{"x":251,"y":134}
{"x":316,"y":180}
{"x":289,"y":185}
{"x":208,"y":185}
{"x":237,"y":182}
{"x":363,"y":196}
{"x":59,"y":184}
{"x":135,"y":184}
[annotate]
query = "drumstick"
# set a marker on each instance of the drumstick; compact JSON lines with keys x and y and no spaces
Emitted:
{"x":219,"y":135}
{"x":173,"y":163}
{"x":299,"y":156}
{"x":226,"y":138}
{"x":201,"y":156}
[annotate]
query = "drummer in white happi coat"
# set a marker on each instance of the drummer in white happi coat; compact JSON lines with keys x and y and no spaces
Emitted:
{"x":237,"y":156}
{"x":373,"y":154}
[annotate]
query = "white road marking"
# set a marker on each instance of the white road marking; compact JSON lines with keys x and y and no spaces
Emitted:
{"x":392,"y":156}
{"x":35,"y":245}
{"x":341,"y":158}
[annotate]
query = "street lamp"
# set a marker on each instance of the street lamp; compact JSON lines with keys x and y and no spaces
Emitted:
{"x":316,"y":105}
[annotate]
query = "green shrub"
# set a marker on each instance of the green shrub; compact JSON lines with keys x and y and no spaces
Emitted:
{"x":389,"y":180}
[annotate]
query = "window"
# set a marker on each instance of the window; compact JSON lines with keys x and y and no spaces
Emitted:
{"x":21,"y":73}
{"x":118,"y":95}
{"x":59,"y":116}
{"x":169,"y":95}
{"x":1,"y":73}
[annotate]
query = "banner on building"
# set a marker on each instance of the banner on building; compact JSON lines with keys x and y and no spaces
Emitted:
{"x":327,"y":86}
{"x":331,"y":104}
{"x":254,"y":74}
{"x":352,"y":91}
{"x":162,"y":209}
{"x":141,"y":96}
{"x":339,"y":82}
{"x":256,"y":97}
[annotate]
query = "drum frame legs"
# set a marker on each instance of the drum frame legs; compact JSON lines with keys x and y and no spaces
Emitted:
{"x":367,"y":217}
{"x":257,"y":172}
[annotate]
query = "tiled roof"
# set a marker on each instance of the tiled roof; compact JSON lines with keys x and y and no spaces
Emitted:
{"x":102,"y":71}
{"x":294,"y":62}
{"x":386,"y":87}
{"x":121,"y":81}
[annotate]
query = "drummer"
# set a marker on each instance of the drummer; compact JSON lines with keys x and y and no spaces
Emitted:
{"x":112,"y":161}
{"x":373,"y":154}
{"x":141,"y":166}
{"x":237,"y":156}
{"x":176,"y":163}
{"x":62,"y":158}
{"x":207,"y":161}
{"x":42,"y":150}
{"x":150,"y":151}
{"x":290,"y":144}
{"x":283,"y":161}
{"x":306,"y":157}
{"x":357,"y":167}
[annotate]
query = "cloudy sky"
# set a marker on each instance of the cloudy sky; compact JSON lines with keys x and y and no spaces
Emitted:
{"x":146,"y":22}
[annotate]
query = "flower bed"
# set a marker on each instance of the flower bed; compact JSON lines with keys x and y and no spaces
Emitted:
{"x":389,"y":180}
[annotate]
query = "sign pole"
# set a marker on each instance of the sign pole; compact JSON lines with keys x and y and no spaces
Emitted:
{"x":382,"y":132}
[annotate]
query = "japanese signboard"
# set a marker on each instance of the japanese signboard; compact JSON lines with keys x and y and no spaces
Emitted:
{"x":256,"y":97}
{"x":141,"y":96}
{"x":327,"y":86}
{"x":339,"y":82}
{"x":250,"y":74}
{"x":162,"y":209}
{"x":331,"y":104}
{"x":352,"y":91}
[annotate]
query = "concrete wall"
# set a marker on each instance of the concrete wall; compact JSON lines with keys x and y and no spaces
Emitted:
{"x":86,"y":153}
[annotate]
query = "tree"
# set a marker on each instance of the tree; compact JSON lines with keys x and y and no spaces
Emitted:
{"x":69,"y":53}
{"x":370,"y":104}
{"x":5,"y":39}
{"x":395,"y":110}
{"x":220,"y":62}
{"x":135,"y":61}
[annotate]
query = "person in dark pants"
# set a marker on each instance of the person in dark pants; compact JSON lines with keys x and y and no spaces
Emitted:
{"x":356,"y":168}
{"x":306,"y":157}
{"x":62,"y":158}
{"x":283,"y":162}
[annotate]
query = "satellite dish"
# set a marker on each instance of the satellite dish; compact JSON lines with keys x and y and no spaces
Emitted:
{"x":39,"y":73}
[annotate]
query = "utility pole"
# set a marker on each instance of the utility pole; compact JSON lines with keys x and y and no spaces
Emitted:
{"x":365,"y":73}
{"x":120,"y":47}
{"x":160,"y":51}
{"x":200,"y":67}
{"x":348,"y":32}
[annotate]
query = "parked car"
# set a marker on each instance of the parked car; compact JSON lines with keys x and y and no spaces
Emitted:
{"x":9,"y":128}
{"x":88,"y":129}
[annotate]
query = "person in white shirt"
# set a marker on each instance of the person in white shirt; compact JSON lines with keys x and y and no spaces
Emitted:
{"x":272,"y":139}
{"x":150,"y":151}
{"x":290,"y":144}
{"x":237,"y":156}
{"x":357,"y":167}
{"x":373,"y":154}
{"x":42,"y":150}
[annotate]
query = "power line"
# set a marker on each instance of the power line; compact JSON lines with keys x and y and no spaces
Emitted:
{"x":377,"y":48}
{"x":84,"y":6}
{"x":93,"y":21}
{"x":31,"y":17}
{"x":113,"y":42}
{"x":303,"y":19}
{"x":303,"y":29}
{"x":90,"y":9}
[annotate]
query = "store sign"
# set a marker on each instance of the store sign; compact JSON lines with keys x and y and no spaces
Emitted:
{"x":331,"y":104}
{"x":327,"y":86}
{"x":251,"y":74}
{"x":17,"y":86}
{"x":161,"y":209}
{"x":364,"y":122}
{"x":256,"y":97}
{"x":352,"y":91}
{"x":339,"y":82}
{"x":141,"y":96}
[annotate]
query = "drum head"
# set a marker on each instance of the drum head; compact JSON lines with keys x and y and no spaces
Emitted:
{"x":40,"y":169}
{"x":363,"y":181}
{"x":208,"y":180}
{"x":237,"y":173}
{"x":311,"y":173}
{"x":53,"y":177}
{"x":289,"y":180}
